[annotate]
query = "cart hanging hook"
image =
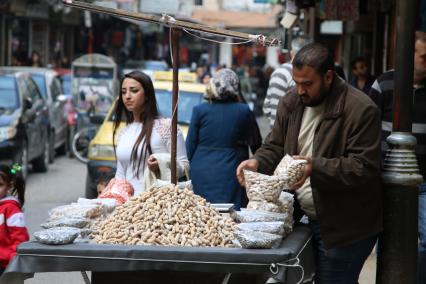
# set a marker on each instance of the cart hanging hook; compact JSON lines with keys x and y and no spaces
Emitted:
{"x":274,"y":268}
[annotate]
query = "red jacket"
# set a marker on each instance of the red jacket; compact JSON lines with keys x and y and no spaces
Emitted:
{"x":12,"y":229}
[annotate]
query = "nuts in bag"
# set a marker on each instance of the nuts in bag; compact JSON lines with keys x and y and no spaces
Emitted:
{"x":267,"y":227}
{"x":291,"y":168}
{"x":247,"y":216}
{"x":76,"y":210}
{"x":264,"y":206}
{"x":258,"y":240}
{"x":57,"y":236}
{"x":118,"y":189}
{"x":75,"y":222}
{"x":262,"y":187}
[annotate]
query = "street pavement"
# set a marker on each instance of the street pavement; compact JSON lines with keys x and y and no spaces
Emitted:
{"x":64,"y":183}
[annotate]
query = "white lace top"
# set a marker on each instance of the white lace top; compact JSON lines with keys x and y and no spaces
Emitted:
{"x":160,"y":143}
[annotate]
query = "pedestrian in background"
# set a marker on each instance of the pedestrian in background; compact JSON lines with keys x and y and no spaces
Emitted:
{"x":382,"y":94}
{"x":333,"y":126}
{"x":35,"y":59}
{"x":212,"y":142}
{"x":281,"y":81}
{"x":12,"y":222}
{"x":146,"y":133}
{"x":362,"y":79}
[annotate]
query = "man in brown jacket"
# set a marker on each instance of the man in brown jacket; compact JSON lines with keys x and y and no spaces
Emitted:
{"x":336,"y":128}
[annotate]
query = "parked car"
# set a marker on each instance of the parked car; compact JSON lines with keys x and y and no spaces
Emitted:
{"x":101,"y":151}
{"x":147,"y":66}
{"x":48,"y":83}
{"x":24,"y":122}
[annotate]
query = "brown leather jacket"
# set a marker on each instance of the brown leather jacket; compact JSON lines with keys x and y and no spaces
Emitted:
{"x":345,"y":180}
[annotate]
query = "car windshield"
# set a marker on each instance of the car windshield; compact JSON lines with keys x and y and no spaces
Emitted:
{"x":41,"y":84}
{"x":187,"y":101}
{"x":8,"y":94}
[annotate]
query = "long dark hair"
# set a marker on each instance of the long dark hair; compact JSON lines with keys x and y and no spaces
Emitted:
{"x":15,"y":180}
{"x":148,"y":115}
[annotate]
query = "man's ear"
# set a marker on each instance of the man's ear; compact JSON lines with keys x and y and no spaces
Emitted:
{"x":328,"y":78}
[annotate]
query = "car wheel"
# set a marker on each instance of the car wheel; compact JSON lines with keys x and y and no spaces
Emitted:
{"x":91,"y":192}
{"x":63,"y":149}
{"x":51,"y":147}
{"x":23,"y":159}
{"x":41,"y":163}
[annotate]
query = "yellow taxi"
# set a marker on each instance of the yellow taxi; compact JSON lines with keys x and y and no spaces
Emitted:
{"x":101,"y":165}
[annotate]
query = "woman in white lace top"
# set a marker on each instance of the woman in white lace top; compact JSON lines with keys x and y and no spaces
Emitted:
{"x":146,"y":133}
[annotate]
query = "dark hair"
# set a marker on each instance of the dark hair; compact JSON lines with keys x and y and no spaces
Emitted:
{"x":15,"y":180}
{"x":358,"y":59}
{"x":314,"y":55}
{"x":148,"y":115}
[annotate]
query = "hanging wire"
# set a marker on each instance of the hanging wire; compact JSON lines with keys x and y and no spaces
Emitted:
{"x":254,"y":39}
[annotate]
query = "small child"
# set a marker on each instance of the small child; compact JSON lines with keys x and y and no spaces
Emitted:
{"x":102,"y":182}
{"x":12,"y":223}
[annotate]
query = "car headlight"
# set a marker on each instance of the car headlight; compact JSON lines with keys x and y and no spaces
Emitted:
{"x":97,"y":151}
{"x":7,"y":133}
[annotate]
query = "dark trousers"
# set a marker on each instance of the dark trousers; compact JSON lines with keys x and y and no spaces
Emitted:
{"x":341,"y":265}
{"x":1,"y":271}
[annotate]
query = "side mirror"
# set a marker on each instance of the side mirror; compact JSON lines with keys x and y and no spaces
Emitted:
{"x":97,"y":118}
{"x":28,"y":103}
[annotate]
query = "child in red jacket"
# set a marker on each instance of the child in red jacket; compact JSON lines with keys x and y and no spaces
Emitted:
{"x":12,"y":222}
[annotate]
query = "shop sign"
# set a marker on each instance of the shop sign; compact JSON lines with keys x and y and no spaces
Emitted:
{"x":39,"y":11}
{"x":18,"y":7}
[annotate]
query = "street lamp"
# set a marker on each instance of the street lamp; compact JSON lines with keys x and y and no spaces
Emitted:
{"x":397,"y":254}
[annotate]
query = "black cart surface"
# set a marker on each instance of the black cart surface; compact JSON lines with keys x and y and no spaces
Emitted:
{"x":291,"y":262}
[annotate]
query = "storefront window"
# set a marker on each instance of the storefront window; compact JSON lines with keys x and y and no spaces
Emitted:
{"x":18,"y":41}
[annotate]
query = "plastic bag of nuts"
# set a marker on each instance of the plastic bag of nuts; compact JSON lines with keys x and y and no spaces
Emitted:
{"x":291,"y":168}
{"x":246,"y":216}
{"x":256,"y":239}
{"x":264,"y":206}
{"x":267,"y":227}
{"x":262,"y":187}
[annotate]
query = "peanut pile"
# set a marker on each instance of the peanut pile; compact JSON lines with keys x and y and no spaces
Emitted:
{"x":166,"y":216}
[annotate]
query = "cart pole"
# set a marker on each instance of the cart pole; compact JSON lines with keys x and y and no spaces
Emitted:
{"x":397,"y":254}
{"x":175,"y":62}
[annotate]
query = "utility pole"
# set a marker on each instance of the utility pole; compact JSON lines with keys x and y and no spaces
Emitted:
{"x":397,"y":258}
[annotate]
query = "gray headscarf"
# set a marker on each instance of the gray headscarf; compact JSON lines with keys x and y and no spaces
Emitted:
{"x":223,"y":86}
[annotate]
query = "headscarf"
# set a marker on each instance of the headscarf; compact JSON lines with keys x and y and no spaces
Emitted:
{"x":223,"y":86}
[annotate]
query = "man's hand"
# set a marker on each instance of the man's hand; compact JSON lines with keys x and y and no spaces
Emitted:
{"x":153,"y":165}
{"x":251,"y":165}
{"x":307,"y":172}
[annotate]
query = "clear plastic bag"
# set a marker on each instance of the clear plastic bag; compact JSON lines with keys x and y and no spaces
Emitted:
{"x":286,"y":202}
{"x":260,"y":187}
{"x":267,"y":227}
{"x":57,"y":236}
{"x":76,"y":210}
{"x":248,"y":216}
{"x":290,"y":168}
{"x":258,"y":240}
{"x":264,"y":206}
{"x":108,"y":204}
{"x":66,"y":221}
